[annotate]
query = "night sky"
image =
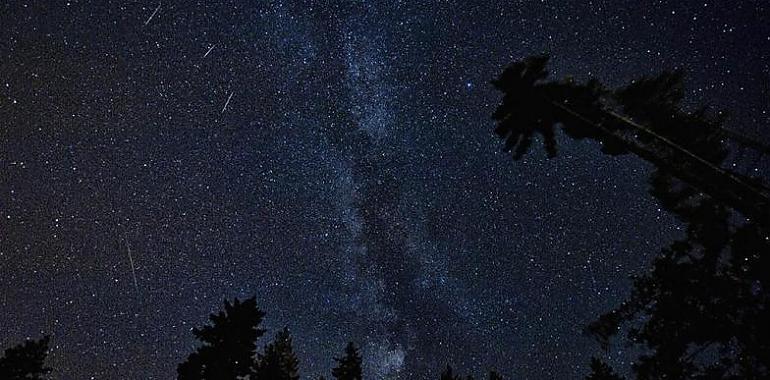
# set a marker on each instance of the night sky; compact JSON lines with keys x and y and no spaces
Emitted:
{"x":336,"y":159}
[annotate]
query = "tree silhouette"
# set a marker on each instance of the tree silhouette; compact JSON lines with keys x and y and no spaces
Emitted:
{"x":644,"y":118}
{"x":602,"y":371}
{"x":278,"y":361}
{"x":700,"y":311}
{"x":228,"y":351}
{"x":25,"y":361}
{"x":348,"y":366}
{"x":527,"y":108}
{"x":229,"y":344}
{"x":448,"y":374}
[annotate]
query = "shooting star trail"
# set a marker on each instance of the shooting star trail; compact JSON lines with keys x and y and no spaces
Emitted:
{"x":153,"y":14}
{"x":131,"y":262}
{"x":210,"y":49}
{"x":227,"y":102}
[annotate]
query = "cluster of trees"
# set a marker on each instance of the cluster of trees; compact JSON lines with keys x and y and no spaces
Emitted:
{"x":227,"y":351}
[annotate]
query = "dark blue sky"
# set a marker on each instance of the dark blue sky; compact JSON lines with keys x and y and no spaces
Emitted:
{"x":352,"y":182}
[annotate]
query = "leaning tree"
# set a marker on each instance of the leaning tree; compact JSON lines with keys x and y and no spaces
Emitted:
{"x":702,"y":311}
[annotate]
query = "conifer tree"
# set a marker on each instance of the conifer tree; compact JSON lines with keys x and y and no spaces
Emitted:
{"x":348,"y":366}
{"x":448,"y":374}
{"x":229,"y":344}
{"x":279,"y":362}
{"x":493,"y":375}
{"x":602,"y":371}
{"x":25,"y":361}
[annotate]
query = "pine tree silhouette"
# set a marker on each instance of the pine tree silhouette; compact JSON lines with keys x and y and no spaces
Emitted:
{"x":448,"y":374}
{"x":493,"y":375}
{"x":602,"y":371}
{"x":25,"y":361}
{"x":229,"y":344}
{"x":348,"y":366}
{"x":279,"y":362}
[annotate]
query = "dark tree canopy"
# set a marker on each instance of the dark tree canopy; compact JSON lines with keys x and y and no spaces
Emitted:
{"x":25,"y":361}
{"x":229,"y":344}
{"x":644,"y":118}
{"x":527,"y":108}
{"x":449,"y":374}
{"x":602,"y":371}
{"x":349,"y":365}
{"x":702,"y":309}
{"x":278,"y":362}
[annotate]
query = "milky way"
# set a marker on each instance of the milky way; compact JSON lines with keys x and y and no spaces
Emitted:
{"x":335,"y":159}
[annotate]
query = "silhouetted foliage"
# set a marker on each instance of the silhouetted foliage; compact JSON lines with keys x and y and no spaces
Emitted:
{"x":602,"y":371}
{"x":25,"y":361}
{"x":278,"y":362}
{"x":700,"y":311}
{"x":448,"y":374}
{"x":348,"y":366}
{"x":527,"y":108}
{"x":644,"y":118}
{"x":229,"y":351}
{"x":229,"y":344}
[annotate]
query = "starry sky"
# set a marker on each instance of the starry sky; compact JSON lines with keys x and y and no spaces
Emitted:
{"x":336,"y":159}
